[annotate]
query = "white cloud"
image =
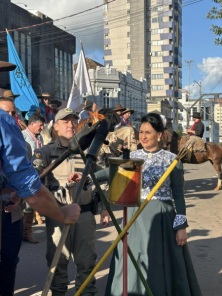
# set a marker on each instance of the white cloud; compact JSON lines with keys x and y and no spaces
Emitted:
{"x":87,"y":27}
{"x":211,"y":81}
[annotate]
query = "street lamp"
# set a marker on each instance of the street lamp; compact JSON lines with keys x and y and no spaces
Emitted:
{"x":188,"y":62}
{"x":200,"y":93}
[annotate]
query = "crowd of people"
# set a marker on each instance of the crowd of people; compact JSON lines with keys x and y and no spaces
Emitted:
{"x":158,"y":238}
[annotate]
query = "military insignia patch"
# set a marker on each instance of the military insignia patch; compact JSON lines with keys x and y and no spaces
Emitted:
{"x":38,"y":154}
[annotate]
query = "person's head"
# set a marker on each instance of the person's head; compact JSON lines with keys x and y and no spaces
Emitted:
{"x":66,"y":122}
{"x":119,"y":109}
{"x":36,"y":123}
{"x":127,"y":113}
{"x":8,"y":105}
{"x":45,"y":98}
{"x":8,"y":94}
{"x":151,"y":130}
{"x":55,"y":104}
{"x":88,"y":105}
{"x":196,"y":116}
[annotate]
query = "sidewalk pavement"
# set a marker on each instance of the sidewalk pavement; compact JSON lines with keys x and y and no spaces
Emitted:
{"x":204,"y":206}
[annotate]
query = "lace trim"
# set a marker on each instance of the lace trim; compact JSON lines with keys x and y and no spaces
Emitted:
{"x":179,"y":220}
{"x":156,"y":197}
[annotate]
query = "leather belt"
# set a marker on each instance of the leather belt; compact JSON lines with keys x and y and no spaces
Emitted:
{"x":86,"y":208}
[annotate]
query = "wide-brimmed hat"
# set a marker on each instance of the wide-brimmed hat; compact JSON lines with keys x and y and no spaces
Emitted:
{"x":8,"y":94}
{"x":197,"y":115}
{"x":63,"y":113}
{"x":56,"y":102}
{"x":87,"y":104}
{"x":44,"y":95}
{"x":128,"y":110}
{"x":5,"y":66}
{"x":119,"y":108}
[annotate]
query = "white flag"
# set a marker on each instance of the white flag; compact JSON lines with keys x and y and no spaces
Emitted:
{"x":81,"y":85}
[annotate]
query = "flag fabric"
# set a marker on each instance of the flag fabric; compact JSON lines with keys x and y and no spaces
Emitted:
{"x":81,"y":85}
{"x":75,"y":100}
{"x":20,"y":84}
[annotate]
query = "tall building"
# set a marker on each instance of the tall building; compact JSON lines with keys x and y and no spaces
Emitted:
{"x":45,"y":50}
{"x":145,"y":37}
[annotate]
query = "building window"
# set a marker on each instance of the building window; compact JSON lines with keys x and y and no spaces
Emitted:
{"x":157,"y":42}
{"x":128,"y":34}
{"x":156,"y":53}
{"x":157,"y":76}
{"x":128,"y":45}
{"x":107,"y":52}
{"x":157,"y":19}
{"x":157,"y":65}
{"x":108,"y":62}
{"x":128,"y":56}
{"x":156,"y":31}
{"x":157,"y":87}
{"x":106,"y":99}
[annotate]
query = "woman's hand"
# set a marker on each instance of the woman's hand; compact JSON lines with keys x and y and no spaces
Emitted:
{"x":181,"y":237}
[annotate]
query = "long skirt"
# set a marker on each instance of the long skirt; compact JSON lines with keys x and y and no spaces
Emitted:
{"x":167,"y":268}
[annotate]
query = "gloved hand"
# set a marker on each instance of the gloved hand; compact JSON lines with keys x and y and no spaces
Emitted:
{"x":39,"y":165}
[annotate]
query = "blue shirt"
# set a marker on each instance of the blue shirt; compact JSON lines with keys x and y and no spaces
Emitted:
{"x":21,"y":175}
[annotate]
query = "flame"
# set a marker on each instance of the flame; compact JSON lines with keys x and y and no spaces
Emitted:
{"x":95,"y":117}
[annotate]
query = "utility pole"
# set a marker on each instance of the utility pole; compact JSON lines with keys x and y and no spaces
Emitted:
{"x":188,"y":62}
{"x":200,"y":93}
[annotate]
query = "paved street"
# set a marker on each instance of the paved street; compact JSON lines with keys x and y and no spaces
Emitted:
{"x":204,"y":207}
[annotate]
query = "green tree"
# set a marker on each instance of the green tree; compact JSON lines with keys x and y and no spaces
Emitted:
{"x":216,"y":14}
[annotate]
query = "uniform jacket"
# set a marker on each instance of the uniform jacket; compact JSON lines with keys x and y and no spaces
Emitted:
{"x":56,"y":181}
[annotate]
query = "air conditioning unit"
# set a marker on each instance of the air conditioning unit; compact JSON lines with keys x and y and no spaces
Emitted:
{"x":149,"y":65}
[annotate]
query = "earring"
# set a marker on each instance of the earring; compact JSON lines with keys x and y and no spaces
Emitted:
{"x":158,"y":139}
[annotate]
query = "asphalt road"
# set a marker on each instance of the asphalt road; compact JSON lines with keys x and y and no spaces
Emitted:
{"x":204,"y":206}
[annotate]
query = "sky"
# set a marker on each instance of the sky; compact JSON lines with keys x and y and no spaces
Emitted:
{"x":198,"y":40}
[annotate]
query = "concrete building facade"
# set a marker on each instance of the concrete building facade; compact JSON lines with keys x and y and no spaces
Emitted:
{"x":111,"y":87}
{"x":145,"y":38}
{"x":45,"y":50}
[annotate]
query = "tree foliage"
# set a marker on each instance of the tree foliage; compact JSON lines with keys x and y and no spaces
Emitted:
{"x":216,"y":14}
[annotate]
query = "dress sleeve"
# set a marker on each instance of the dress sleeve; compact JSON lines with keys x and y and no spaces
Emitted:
{"x":177,"y":186}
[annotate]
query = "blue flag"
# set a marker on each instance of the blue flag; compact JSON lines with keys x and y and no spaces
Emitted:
{"x":20,"y":84}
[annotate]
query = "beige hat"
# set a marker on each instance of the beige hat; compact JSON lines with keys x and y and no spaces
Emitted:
{"x":63,"y":113}
{"x":5,"y":66}
{"x":119,"y":108}
{"x":8,"y":94}
{"x":128,"y":110}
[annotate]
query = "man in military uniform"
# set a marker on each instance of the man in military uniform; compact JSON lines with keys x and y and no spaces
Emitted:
{"x":80,"y":242}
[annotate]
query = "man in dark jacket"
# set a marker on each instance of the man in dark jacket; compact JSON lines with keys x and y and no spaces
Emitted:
{"x":197,"y":129}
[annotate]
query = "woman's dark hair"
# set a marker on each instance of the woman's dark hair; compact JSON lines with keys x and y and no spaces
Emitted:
{"x":36,"y":117}
{"x":155,"y":120}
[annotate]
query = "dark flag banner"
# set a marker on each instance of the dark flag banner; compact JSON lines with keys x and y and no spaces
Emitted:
{"x":20,"y":84}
